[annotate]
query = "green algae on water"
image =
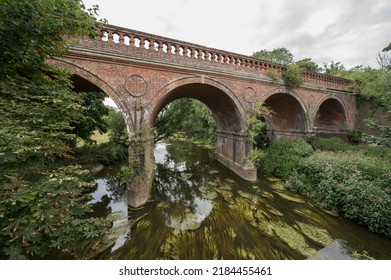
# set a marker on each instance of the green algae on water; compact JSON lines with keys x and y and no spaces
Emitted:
{"x":290,"y":197}
{"x":316,"y":234}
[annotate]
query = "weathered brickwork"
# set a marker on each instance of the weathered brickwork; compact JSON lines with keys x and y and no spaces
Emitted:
{"x":142,"y":73}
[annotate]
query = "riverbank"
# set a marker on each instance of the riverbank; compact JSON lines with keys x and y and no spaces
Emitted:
{"x":351,"y":181}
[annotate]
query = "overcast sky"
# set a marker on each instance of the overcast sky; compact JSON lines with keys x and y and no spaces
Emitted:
{"x":349,"y":31}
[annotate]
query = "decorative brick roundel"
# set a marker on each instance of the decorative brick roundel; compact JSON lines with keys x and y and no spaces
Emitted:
{"x":249,"y":94}
{"x":136,"y":85}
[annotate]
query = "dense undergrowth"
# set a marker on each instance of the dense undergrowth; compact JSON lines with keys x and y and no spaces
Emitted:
{"x":108,"y":153}
{"x":353,"y":181}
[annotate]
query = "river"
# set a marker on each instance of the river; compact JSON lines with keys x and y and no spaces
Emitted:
{"x":201,"y":210}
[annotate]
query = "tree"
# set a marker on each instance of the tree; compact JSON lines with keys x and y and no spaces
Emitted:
{"x":117,"y":127}
{"x":42,"y":202}
{"x":278,"y":55}
{"x":384,"y":61}
{"x":386,"y":49}
{"x":308,"y":65}
{"x":335,"y":68}
{"x":188,"y":116}
{"x":94,"y":111}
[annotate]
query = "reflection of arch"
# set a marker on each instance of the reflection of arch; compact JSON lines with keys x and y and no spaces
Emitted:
{"x":220,"y":100}
{"x":330,"y":115}
{"x":288,"y":111}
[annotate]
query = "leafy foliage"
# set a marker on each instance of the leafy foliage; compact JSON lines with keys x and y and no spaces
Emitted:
{"x":278,"y":55}
{"x":256,"y":125}
{"x":117,"y":127}
{"x":94,"y":112}
{"x":188,"y":116}
{"x":42,"y":202}
{"x":283,"y":156}
{"x":293,"y":76}
{"x":48,"y":213}
{"x":374,"y":86}
{"x":273,"y":74}
{"x":350,"y":180}
{"x":308,"y":65}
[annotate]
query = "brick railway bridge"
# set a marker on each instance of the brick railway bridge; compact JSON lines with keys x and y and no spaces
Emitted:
{"x":143,"y":73}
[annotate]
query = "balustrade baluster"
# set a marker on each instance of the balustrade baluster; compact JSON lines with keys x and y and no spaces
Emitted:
{"x":160,"y":46}
{"x":132,"y":40}
{"x":177,"y":49}
{"x":206,"y":57}
{"x":151,"y":45}
{"x":168,"y":48}
{"x":110,"y":36}
{"x":199,"y":54}
{"x":121,"y":38}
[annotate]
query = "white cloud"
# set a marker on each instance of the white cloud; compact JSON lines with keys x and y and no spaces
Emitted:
{"x":350,"y":31}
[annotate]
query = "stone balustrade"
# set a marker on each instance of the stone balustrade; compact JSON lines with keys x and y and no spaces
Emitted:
{"x":164,"y":48}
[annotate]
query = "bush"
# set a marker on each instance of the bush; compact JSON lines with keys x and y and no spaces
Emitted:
{"x":283,"y":156}
{"x":349,"y":183}
{"x":354,"y":181}
{"x":106,"y":153}
{"x":293,"y":76}
{"x":329,"y":144}
{"x":355,"y":136}
{"x":337,"y":144}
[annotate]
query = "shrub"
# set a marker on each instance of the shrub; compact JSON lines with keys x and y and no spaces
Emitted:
{"x":337,"y":144}
{"x":355,"y":136}
{"x":349,"y":183}
{"x":283,"y":156}
{"x":293,"y":76}
{"x":354,"y":181}
{"x":328,"y":144}
{"x":106,"y":153}
{"x":273,"y":74}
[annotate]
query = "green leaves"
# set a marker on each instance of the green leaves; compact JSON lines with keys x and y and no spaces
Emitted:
{"x":43,"y":201}
{"x":350,"y":180}
{"x":293,"y":76}
{"x":278,"y":55}
{"x":188,"y":116}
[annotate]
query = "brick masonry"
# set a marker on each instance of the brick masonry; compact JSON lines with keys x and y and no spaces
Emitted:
{"x":143,"y":72}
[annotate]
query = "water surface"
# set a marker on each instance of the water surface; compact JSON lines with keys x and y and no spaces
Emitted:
{"x":201,"y":210}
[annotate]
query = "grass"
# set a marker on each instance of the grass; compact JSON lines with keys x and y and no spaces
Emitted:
{"x":98,"y":137}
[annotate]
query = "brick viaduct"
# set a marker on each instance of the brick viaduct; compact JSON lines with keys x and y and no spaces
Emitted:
{"x":142,"y":73}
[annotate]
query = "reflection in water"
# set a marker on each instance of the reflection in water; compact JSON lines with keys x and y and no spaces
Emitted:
{"x":200,"y":210}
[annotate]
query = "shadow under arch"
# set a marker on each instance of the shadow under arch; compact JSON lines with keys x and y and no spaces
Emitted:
{"x":232,"y":146}
{"x":220,"y":100}
{"x":289,"y":114}
{"x":330,"y":117}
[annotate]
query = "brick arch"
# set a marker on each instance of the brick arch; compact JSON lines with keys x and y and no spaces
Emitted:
{"x":99,"y":83}
{"x":90,"y":77}
{"x":223,"y":103}
{"x":331,"y":114}
{"x":289,"y":113}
